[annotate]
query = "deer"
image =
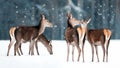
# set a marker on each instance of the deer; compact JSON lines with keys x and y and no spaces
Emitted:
{"x":95,"y":37}
{"x":45,"y":42}
{"x":30,"y":34}
{"x":12,"y":40}
{"x":71,"y":38}
{"x":80,"y":28}
{"x":98,"y":37}
{"x":41,"y":38}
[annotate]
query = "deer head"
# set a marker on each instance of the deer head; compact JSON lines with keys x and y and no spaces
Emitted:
{"x":49,"y":48}
{"x":44,"y":23}
{"x":72,"y":21}
{"x":84,"y":23}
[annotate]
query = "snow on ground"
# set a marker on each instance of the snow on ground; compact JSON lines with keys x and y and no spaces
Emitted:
{"x":58,"y":59}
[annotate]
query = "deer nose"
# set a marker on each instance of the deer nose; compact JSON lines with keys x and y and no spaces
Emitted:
{"x":51,"y":53}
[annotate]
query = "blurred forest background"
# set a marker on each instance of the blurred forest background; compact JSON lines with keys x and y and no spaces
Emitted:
{"x":104,"y":14}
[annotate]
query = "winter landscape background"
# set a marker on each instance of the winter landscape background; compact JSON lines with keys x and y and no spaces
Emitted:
{"x":104,"y":14}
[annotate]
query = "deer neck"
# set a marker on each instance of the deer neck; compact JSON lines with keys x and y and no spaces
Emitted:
{"x":87,"y":33}
{"x":41,"y":30}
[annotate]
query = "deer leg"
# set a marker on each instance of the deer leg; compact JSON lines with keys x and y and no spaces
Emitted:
{"x":36,"y":46}
{"x":97,"y":52}
{"x":20,"y":49}
{"x":103,"y":52}
{"x":92,"y":47}
{"x":107,"y":45}
{"x":15,"y":49}
{"x":79,"y":52}
{"x":29,"y":49}
{"x":73,"y":47}
{"x":32,"y":47}
{"x":9,"y":46}
{"x":68,"y":49}
{"x":16,"y":46}
{"x":82,"y":50}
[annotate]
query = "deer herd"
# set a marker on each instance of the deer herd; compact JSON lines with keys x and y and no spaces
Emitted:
{"x":75,"y":35}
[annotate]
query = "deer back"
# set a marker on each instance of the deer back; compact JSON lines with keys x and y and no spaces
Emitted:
{"x":94,"y":36}
{"x":26,"y":33}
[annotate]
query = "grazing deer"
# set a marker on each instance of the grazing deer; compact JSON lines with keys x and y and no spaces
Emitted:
{"x":72,"y":39}
{"x":81,"y":30}
{"x":98,"y":37}
{"x":45,"y":42}
{"x":41,"y":38}
{"x":30,"y":34}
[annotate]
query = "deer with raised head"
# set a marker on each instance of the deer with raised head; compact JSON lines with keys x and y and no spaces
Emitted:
{"x":30,"y":34}
{"x":98,"y":37}
{"x":71,"y":38}
{"x":41,"y":38}
{"x":80,"y":28}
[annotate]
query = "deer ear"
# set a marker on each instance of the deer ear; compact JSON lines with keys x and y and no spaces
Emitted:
{"x":82,"y":21}
{"x":42,"y":16}
{"x":88,"y":20}
{"x":70,"y":15}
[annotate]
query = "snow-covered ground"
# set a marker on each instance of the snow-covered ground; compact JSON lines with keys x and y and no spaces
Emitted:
{"x":58,"y":59}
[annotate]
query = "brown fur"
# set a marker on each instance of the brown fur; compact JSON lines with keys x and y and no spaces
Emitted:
{"x":80,"y":27}
{"x":42,"y":38}
{"x":71,"y":38}
{"x":30,"y":34}
{"x":99,"y":37}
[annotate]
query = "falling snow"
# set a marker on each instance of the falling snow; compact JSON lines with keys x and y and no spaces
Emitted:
{"x":105,"y":13}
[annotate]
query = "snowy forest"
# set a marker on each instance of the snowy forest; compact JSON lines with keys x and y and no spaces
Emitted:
{"x":104,"y":14}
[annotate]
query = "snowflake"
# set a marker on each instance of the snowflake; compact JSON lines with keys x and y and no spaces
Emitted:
{"x":100,"y":5}
{"x":88,"y":7}
{"x":33,"y":15}
{"x":53,"y":8}
{"x":103,"y":17}
{"x":16,"y":6}
{"x":43,"y":5}
{"x":55,"y":26}
{"x":111,"y":6}
{"x":98,"y":9}
{"x":16,"y":11}
{"x":99,"y":13}
{"x":23,"y":21}
{"x":25,"y":16}
{"x":32,"y":7}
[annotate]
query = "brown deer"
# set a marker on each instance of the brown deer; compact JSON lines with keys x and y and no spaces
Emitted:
{"x":41,"y":38}
{"x":30,"y":34}
{"x":45,"y":42}
{"x":71,"y":38}
{"x":98,"y":37}
{"x":12,"y":40}
{"x":81,"y":31}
